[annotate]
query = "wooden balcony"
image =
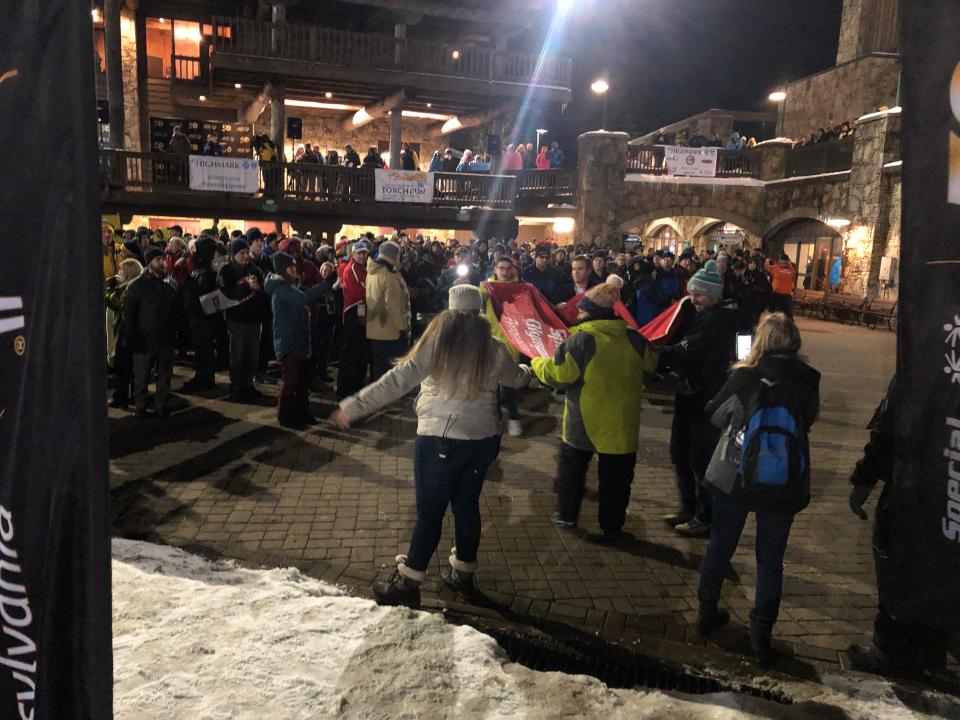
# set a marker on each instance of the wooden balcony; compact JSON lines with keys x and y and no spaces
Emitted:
{"x":321,"y":52}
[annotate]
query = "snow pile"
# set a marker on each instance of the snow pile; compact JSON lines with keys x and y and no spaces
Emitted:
{"x":208,"y":640}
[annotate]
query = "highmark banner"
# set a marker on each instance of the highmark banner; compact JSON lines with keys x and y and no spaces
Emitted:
{"x":221,"y":174}
{"x":690,"y":161}
{"x":405,"y":186}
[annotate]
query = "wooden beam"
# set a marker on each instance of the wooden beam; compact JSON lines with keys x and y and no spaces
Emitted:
{"x":254,"y":109}
{"x":509,"y":14}
{"x":371,"y":112}
{"x":469,"y":121}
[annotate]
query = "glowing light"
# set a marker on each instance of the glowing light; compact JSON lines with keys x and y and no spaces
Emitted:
{"x":462,"y":271}
{"x":564,"y":225}
{"x":237,"y":85}
{"x":361,"y":117}
{"x":189,"y":33}
{"x":96,"y":15}
{"x":838,"y":222}
{"x":328,"y":95}
{"x":162,"y":21}
{"x":424,"y":115}
{"x":450,"y":125}
{"x":429,"y":105}
{"x":455,"y":54}
{"x":542,"y":131}
{"x":778,"y":96}
{"x":319,"y":105}
{"x":600,"y":86}
{"x":203,"y":98}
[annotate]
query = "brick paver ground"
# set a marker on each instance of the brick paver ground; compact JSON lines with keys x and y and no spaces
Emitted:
{"x":224,"y":479}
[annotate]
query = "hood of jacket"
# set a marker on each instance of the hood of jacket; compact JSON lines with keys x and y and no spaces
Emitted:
{"x":274,"y":281}
{"x":376,"y":267}
{"x":786,"y":366}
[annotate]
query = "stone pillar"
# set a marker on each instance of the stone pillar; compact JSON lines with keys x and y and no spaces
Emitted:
{"x":278,"y":119}
{"x":396,"y":129}
{"x":868,"y":204}
{"x":601,"y":171}
{"x":131,"y":92}
{"x":773,"y":160}
{"x":114,"y":63}
{"x":850,"y":31}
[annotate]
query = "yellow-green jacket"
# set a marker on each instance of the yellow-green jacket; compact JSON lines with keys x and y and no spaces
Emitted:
{"x":602,"y":367}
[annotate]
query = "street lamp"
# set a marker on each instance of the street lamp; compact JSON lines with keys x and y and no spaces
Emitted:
{"x":778,"y":97}
{"x":600,"y":87}
{"x":539,"y":133}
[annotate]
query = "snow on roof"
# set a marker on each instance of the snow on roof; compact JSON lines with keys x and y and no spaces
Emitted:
{"x":195,"y":638}
{"x":683,"y":180}
{"x":870,"y":116}
{"x":777,"y":141}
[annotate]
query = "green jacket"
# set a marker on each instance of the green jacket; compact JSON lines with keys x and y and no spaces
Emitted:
{"x":601,"y":366}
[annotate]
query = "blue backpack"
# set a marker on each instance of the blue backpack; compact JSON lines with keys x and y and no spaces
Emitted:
{"x":772,"y":457}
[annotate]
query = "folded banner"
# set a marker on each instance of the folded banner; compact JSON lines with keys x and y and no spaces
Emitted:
{"x":692,"y":162}
{"x":530,"y":323}
{"x":405,"y":186}
{"x":221,"y":174}
{"x":216,"y":301}
{"x":662,"y":329}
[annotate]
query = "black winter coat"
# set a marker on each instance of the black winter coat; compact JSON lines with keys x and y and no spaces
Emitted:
{"x":790,"y":383}
{"x":232,"y":280}
{"x":149,"y":307}
{"x":703,"y":356}
{"x":202,"y":280}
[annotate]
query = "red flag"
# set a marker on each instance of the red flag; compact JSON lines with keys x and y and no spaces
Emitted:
{"x":664,"y":326}
{"x":530,"y":323}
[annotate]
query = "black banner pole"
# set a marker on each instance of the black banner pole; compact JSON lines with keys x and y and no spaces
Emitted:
{"x":919,"y":578}
{"x":55,"y":644}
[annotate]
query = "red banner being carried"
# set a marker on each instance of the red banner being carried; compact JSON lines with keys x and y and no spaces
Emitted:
{"x":530,"y":323}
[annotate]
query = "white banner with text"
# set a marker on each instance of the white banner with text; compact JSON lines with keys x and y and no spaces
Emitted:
{"x":406,"y":186}
{"x":221,"y":174}
{"x":692,"y":162}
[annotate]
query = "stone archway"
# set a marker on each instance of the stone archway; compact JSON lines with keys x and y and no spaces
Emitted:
{"x":720,"y":214}
{"x":655,"y":225}
{"x":789,"y":217}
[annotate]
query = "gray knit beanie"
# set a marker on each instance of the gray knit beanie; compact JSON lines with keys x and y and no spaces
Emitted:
{"x":390,"y":252}
{"x":707,"y":281}
{"x":465,"y":297}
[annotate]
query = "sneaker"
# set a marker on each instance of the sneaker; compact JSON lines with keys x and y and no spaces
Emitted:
{"x":397,"y":590}
{"x":514,"y":428}
{"x":678,"y":518}
{"x":560,"y":521}
{"x":608,"y":539}
{"x":457,"y":579}
{"x":693,"y":529}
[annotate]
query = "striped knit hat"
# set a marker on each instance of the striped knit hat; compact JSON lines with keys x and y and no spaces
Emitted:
{"x":707,"y":281}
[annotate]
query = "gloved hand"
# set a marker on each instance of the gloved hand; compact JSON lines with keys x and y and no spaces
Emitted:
{"x":858,"y":496}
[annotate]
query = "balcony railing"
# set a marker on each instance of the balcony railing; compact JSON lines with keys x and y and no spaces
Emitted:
{"x":161,"y":172}
{"x":309,"y":43}
{"x":557,"y":183}
{"x":649,"y":160}
{"x":831,"y":156}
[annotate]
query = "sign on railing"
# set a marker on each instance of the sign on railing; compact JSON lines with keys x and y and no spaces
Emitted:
{"x":223,"y":174}
{"x":690,"y":161}
{"x":406,"y":186}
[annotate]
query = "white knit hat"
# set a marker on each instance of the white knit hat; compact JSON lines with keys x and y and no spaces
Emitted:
{"x":465,"y":298}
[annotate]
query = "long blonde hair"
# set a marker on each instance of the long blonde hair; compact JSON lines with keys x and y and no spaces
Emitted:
{"x":464,"y":352}
{"x":776,"y":333}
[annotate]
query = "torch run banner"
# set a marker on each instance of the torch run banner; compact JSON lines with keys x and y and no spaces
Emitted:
{"x":920,"y":579}
{"x":55,"y":639}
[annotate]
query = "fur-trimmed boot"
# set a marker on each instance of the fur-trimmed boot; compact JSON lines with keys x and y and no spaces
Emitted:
{"x":459,"y":575}
{"x":402,"y":587}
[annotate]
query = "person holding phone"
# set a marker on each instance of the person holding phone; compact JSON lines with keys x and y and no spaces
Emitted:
{"x":241,"y":280}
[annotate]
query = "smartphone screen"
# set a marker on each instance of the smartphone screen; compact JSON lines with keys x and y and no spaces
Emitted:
{"x":744,"y":343}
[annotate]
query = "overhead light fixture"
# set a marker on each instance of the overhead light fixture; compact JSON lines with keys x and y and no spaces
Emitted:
{"x":96,"y":15}
{"x":600,"y":86}
{"x":542,"y":131}
{"x":450,"y":125}
{"x":564,"y":225}
{"x":429,"y":105}
{"x":361,"y":117}
{"x":237,"y":85}
{"x":455,"y":54}
{"x":163,"y":21}
{"x":425,"y":115}
{"x":203,"y":98}
{"x":838,"y":222}
{"x":328,"y":95}
{"x":321,"y":106}
{"x":778,"y":96}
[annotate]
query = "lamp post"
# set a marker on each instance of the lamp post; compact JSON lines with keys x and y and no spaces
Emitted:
{"x":539,"y":133}
{"x":780,"y":98}
{"x":600,"y":87}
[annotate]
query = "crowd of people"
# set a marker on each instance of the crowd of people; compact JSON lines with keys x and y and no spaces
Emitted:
{"x":394,"y":314}
{"x":732,"y":141}
{"x":843,"y":131}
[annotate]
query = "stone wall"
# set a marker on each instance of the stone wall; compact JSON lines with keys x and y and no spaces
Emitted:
{"x":842,"y":93}
{"x":849,"y":46}
{"x":602,"y":161}
{"x":131,"y":95}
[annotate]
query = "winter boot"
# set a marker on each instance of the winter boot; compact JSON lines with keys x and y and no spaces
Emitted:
{"x":678,"y":518}
{"x":760,"y":631}
{"x":459,"y":575}
{"x":402,"y":587}
{"x":710,"y":618}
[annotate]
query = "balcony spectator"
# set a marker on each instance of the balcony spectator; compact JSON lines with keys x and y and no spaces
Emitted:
{"x":436,"y":164}
{"x":465,"y":161}
{"x":511,"y":161}
{"x":373,"y":160}
{"x":350,"y":157}
{"x":212,"y":148}
{"x":751,"y":143}
{"x":529,"y":157}
{"x":735,"y":142}
{"x":179,"y":147}
{"x":556,"y":156}
{"x":481,"y":164}
{"x":450,"y":163}
{"x":332,"y":158}
{"x":408,"y":158}
{"x":543,"y":159}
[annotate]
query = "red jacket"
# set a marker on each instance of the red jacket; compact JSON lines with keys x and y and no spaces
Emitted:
{"x":178,"y":267}
{"x":543,"y":161}
{"x":353,"y":281}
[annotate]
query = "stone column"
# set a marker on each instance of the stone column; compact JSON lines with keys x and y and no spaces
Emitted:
{"x":131,"y":85}
{"x":773,"y":160}
{"x":866,"y":236}
{"x":601,"y":189}
{"x":396,"y":129}
{"x":114,"y":63}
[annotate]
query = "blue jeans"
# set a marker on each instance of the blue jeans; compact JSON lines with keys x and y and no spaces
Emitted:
{"x":773,"y":529}
{"x":456,"y":480}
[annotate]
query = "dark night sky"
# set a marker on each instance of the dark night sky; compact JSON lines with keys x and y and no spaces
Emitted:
{"x":669,"y":59}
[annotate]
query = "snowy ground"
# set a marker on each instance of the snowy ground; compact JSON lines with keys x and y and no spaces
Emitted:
{"x":201,"y":640}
